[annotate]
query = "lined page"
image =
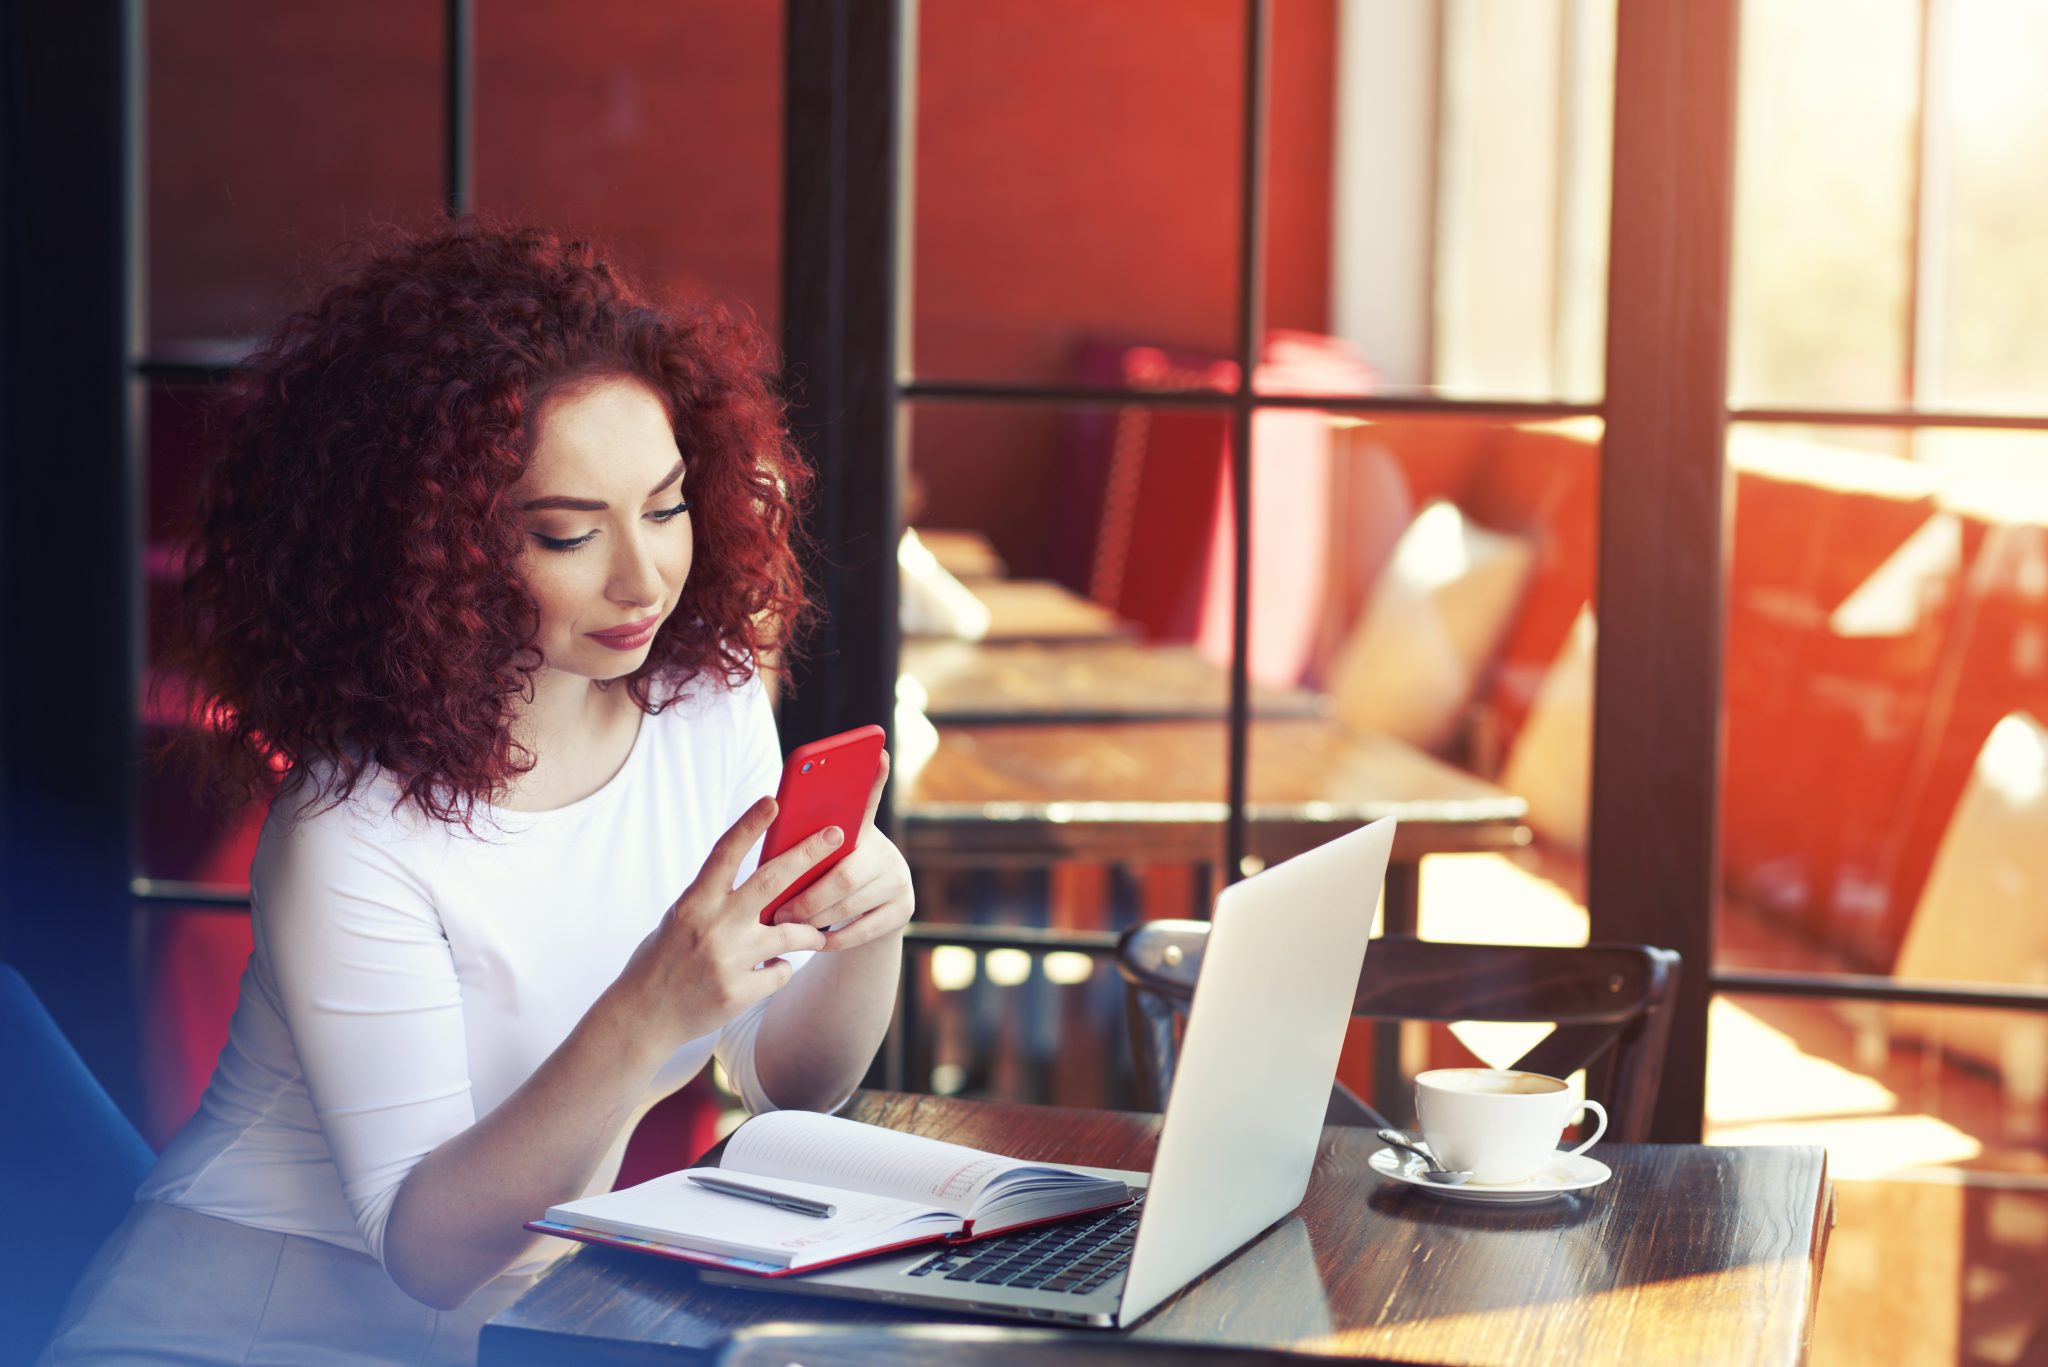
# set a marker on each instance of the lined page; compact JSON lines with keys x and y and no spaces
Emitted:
{"x":808,"y":1147}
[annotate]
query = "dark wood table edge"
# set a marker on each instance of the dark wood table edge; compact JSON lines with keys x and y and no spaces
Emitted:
{"x":1823,"y":1231}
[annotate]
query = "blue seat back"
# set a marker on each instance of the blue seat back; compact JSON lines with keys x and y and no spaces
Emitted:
{"x":71,"y":1162}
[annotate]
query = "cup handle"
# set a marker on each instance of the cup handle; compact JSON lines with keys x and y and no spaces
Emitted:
{"x":1598,"y":1130}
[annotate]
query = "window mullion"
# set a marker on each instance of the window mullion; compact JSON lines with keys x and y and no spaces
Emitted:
{"x":1250,"y":326}
{"x":458,"y":94}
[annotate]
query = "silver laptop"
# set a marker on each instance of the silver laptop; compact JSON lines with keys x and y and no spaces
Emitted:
{"x":1241,"y":1129}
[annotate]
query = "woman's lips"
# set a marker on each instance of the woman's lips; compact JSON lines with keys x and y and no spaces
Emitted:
{"x":631,"y":636}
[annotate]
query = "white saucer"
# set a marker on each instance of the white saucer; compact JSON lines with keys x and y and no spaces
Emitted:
{"x":1567,"y":1172}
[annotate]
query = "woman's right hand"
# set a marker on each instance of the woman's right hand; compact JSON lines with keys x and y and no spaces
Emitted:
{"x":710,"y":958}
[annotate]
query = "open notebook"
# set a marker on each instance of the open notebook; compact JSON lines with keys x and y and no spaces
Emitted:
{"x":890,"y":1191}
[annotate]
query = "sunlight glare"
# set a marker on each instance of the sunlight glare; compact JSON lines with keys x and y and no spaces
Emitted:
{"x":1758,"y":1073}
{"x":2014,"y":761}
{"x":1433,"y":553}
{"x":1892,"y":601}
{"x":1865,"y":1146}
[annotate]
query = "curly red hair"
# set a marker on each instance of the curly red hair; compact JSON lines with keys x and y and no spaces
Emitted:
{"x":351,"y":598}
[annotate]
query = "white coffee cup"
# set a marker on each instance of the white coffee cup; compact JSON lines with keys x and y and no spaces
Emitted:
{"x":1499,"y":1123}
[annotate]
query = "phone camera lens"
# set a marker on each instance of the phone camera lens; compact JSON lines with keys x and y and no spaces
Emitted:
{"x":807,"y":768}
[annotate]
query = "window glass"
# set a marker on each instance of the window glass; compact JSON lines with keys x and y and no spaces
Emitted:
{"x":1060,"y":743}
{"x":1885,"y":701}
{"x":1886,"y":657}
{"x":1890,"y":1089}
{"x":274,"y":132}
{"x":1304,"y":96}
{"x":1422,"y":646}
{"x":1521,"y":195}
{"x":1584,"y":198}
{"x":181,"y":832}
{"x":1077,"y":176}
{"x":1990,"y":289}
{"x":656,"y":128}
{"x":1056,"y":570}
{"x":1827,"y":108}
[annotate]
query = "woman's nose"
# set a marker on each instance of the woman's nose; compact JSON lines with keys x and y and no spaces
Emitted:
{"x":636,"y":577}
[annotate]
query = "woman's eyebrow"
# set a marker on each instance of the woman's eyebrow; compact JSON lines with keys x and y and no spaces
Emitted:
{"x":594,"y":505}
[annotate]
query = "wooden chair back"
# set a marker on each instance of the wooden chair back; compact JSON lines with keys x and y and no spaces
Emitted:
{"x":1610,"y":1004}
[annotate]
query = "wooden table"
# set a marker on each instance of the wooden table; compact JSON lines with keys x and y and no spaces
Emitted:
{"x":1083,"y":681}
{"x":963,"y":553}
{"x":1155,"y":792}
{"x":1041,"y":610}
{"x":1689,"y":1255}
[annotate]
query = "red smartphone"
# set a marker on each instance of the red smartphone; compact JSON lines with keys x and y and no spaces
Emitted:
{"x":825,"y":783}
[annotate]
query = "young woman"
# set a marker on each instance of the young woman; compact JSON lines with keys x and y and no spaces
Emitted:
{"x":486,"y":564}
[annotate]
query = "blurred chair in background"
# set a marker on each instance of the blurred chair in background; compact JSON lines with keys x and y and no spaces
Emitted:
{"x":1609,"y":1003}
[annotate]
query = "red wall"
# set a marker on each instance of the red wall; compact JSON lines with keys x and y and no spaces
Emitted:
{"x":1077,"y":167}
{"x":275,"y":130}
{"x":1078,"y":171}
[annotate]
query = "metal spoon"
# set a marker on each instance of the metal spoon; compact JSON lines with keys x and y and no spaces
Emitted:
{"x":1436,"y":1171}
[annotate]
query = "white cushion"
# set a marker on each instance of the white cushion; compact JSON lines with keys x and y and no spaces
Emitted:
{"x":1551,"y":764}
{"x":1979,"y":919}
{"x":915,"y":740}
{"x":1433,"y":624}
{"x":930,"y":600}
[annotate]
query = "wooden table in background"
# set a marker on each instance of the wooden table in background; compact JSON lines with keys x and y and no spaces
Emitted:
{"x":1689,"y":1255}
{"x":1083,"y":681}
{"x":963,"y":553}
{"x":1154,"y":792}
{"x":1041,"y":610}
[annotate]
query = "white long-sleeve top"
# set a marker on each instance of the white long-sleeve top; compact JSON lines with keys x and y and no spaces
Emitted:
{"x":407,"y":975}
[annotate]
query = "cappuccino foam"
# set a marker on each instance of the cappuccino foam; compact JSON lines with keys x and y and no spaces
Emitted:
{"x":1489,"y":1082}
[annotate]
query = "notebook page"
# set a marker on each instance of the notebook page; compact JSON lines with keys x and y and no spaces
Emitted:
{"x":809,"y":1147}
{"x":673,"y":1210}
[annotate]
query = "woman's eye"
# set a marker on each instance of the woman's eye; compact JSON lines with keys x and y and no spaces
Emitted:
{"x":556,"y":543}
{"x":666,"y":513}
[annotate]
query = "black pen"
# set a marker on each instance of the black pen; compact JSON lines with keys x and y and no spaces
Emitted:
{"x":781,"y":1200}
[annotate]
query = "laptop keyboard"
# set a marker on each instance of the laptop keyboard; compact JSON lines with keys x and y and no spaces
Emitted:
{"x":1073,"y":1258}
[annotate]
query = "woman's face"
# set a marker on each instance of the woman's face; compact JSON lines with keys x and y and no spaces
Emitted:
{"x":608,"y":538}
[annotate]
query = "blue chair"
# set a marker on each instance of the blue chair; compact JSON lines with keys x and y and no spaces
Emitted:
{"x":71,"y":1162}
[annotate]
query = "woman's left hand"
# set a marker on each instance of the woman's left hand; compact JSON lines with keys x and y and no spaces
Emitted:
{"x":867,"y":895}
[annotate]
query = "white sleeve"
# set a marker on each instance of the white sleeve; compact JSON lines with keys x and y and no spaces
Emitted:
{"x":759,"y":752}
{"x":368,"y":988}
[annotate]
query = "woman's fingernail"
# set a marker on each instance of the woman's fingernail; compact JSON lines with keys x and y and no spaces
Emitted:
{"x":833,"y":835}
